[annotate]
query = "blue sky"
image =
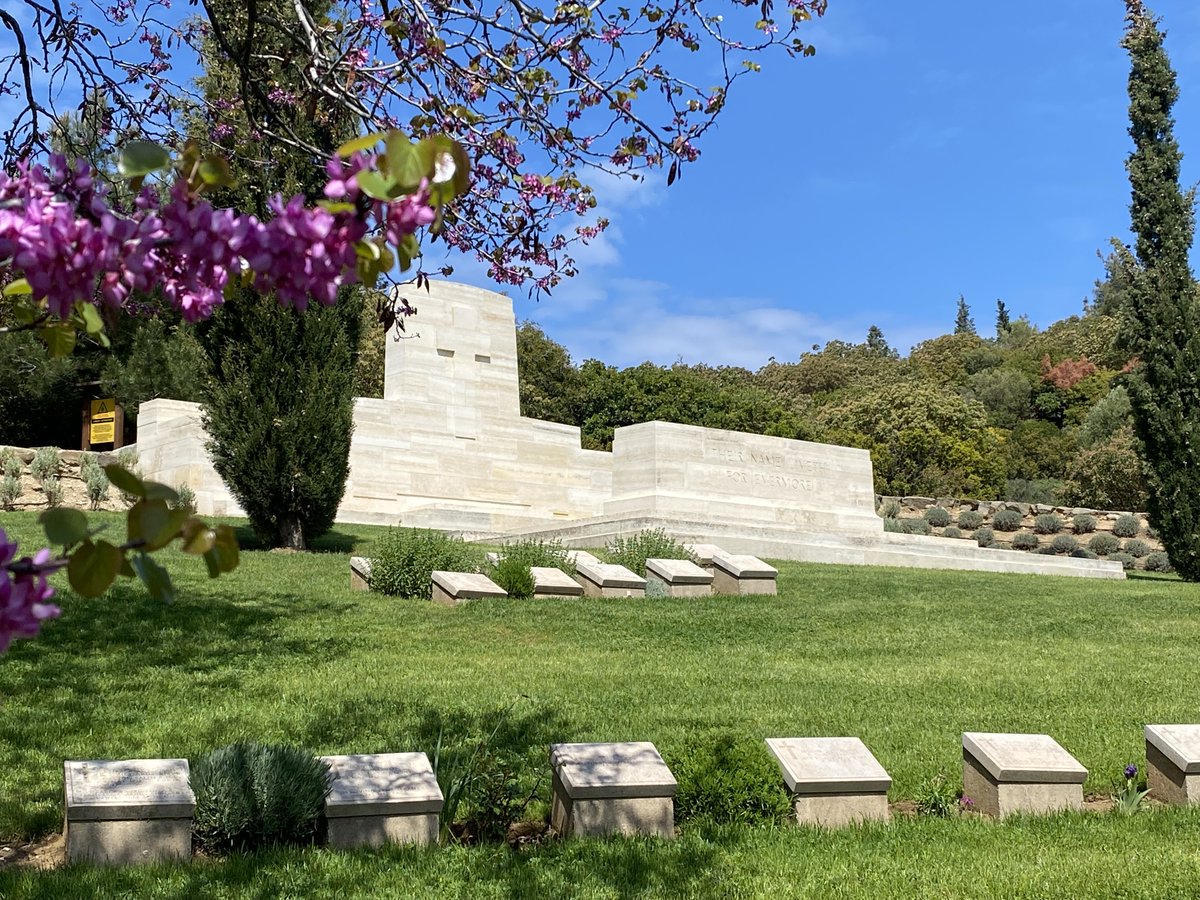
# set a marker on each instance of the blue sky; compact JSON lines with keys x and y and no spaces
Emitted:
{"x":927,"y":151}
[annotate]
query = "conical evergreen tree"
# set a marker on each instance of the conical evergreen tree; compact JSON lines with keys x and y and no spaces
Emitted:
{"x":279,"y":405}
{"x":1160,"y":317}
{"x":963,"y":323}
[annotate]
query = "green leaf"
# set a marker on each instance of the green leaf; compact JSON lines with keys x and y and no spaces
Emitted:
{"x":90,"y":317}
{"x":198,"y":538}
{"x":156,"y":491}
{"x":375,"y":185}
{"x":223,"y":557}
{"x":214,"y":172}
{"x":20,"y":286}
{"x":93,"y":567}
{"x":152,"y":521}
{"x":140,"y":158}
{"x":366,"y":142}
{"x":406,"y":163}
{"x":154,"y":577}
{"x":441,"y":146}
{"x":59,"y":339}
{"x":124,"y":480}
{"x":64,"y":526}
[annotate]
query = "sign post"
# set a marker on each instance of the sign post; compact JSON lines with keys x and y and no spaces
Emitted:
{"x":103,"y":423}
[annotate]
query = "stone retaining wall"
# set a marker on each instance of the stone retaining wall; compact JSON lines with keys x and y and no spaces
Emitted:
{"x":74,"y":490}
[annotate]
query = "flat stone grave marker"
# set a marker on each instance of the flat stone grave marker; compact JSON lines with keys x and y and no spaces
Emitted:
{"x":617,"y":788}
{"x":382,"y":798}
{"x":360,"y":573}
{"x":551,"y":582}
{"x":128,"y":811}
{"x":833,"y":781}
{"x":704,"y":553}
{"x":455,"y":588}
{"x":607,"y":580}
{"x":582,"y":556}
{"x":676,"y":578}
{"x":738,"y":575}
{"x":492,"y":558}
{"x":1020,"y":773}
{"x":1173,"y":763}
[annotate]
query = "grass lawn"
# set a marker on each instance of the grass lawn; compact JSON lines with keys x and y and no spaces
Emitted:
{"x":282,"y":650}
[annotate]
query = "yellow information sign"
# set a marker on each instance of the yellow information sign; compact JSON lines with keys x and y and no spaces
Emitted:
{"x":103,"y":421}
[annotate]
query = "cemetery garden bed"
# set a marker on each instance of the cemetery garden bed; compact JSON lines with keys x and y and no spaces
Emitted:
{"x":283,"y":650}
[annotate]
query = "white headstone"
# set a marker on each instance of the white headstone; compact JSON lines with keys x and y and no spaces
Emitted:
{"x":822,"y":765}
{"x":1035,"y":758}
{"x":1178,"y":743}
{"x":128,"y":789}
{"x":382,"y":784}
{"x":630,"y":769}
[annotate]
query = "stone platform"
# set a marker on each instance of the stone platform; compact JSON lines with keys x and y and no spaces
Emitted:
{"x":382,"y":798}
{"x":833,"y":781}
{"x":1020,"y":773}
{"x":1173,"y":763}
{"x":617,"y":788}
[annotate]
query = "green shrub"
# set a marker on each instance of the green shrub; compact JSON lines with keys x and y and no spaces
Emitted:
{"x":1046,"y":550}
{"x":10,"y":463}
{"x":53,"y":490}
{"x":915,"y":526}
{"x":551,"y":554}
{"x":952,"y":531}
{"x":1127,"y":526}
{"x":1083,"y":553}
{"x":97,"y":487}
{"x":1136,"y":548}
{"x":1159,"y":562}
{"x":255,"y":795}
{"x":728,"y":779}
{"x":405,"y":559}
{"x":937,"y":517}
{"x":1047,"y":523}
{"x":1083,"y":524}
{"x":633,"y":551}
{"x":889,"y":509}
{"x":985,"y":536}
{"x":1024,"y":540}
{"x":938,"y":797}
{"x":1151,"y":532}
{"x":1104,"y":544}
{"x":893,"y":525}
{"x":88,"y":463}
{"x":1124,"y":559}
{"x":10,"y":490}
{"x":512,"y":574}
{"x":969,"y":520}
{"x":1064,"y":543}
{"x":1007,"y":520}
{"x":46,"y":462}
{"x":187,"y":498}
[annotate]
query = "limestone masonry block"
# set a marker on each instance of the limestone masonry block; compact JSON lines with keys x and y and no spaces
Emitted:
{"x":743,"y":575}
{"x":128,"y":811}
{"x":618,"y":788}
{"x":1173,"y":763}
{"x":551,"y":582}
{"x":1020,"y":773}
{"x":677,"y":578}
{"x":607,"y":580}
{"x":453,"y":588}
{"x":382,"y":798}
{"x":360,"y":573}
{"x":833,"y":781}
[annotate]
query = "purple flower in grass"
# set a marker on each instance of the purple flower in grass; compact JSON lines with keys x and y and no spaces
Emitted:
{"x":1131,"y":771}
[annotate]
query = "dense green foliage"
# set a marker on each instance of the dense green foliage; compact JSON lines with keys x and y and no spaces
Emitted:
{"x":633,"y":551}
{"x":254,"y":795}
{"x":1161,"y":323}
{"x":728,"y":778}
{"x":513,"y":575}
{"x":550,"y":554}
{"x":404,"y":559}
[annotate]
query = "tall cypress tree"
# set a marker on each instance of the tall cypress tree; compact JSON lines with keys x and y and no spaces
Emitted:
{"x":1159,"y":322}
{"x":279,"y":404}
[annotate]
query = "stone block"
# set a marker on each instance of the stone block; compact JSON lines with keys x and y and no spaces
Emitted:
{"x":617,"y":788}
{"x":382,"y":798}
{"x":454,"y":588}
{"x":677,"y":578}
{"x":1173,"y":763}
{"x":737,"y":575}
{"x":550,"y":582}
{"x":360,"y":573}
{"x":120,"y":812}
{"x":607,"y":580}
{"x":833,"y":781}
{"x":1020,"y":773}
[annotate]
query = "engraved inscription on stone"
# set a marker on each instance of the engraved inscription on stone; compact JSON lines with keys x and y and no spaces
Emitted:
{"x":131,"y":781}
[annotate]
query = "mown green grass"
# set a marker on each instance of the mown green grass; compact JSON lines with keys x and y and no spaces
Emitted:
{"x":283,"y":650}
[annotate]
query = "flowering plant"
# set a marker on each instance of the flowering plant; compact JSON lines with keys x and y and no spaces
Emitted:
{"x":1128,"y":799}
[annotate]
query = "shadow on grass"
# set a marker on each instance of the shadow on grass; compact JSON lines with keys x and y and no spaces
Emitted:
{"x":340,"y":541}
